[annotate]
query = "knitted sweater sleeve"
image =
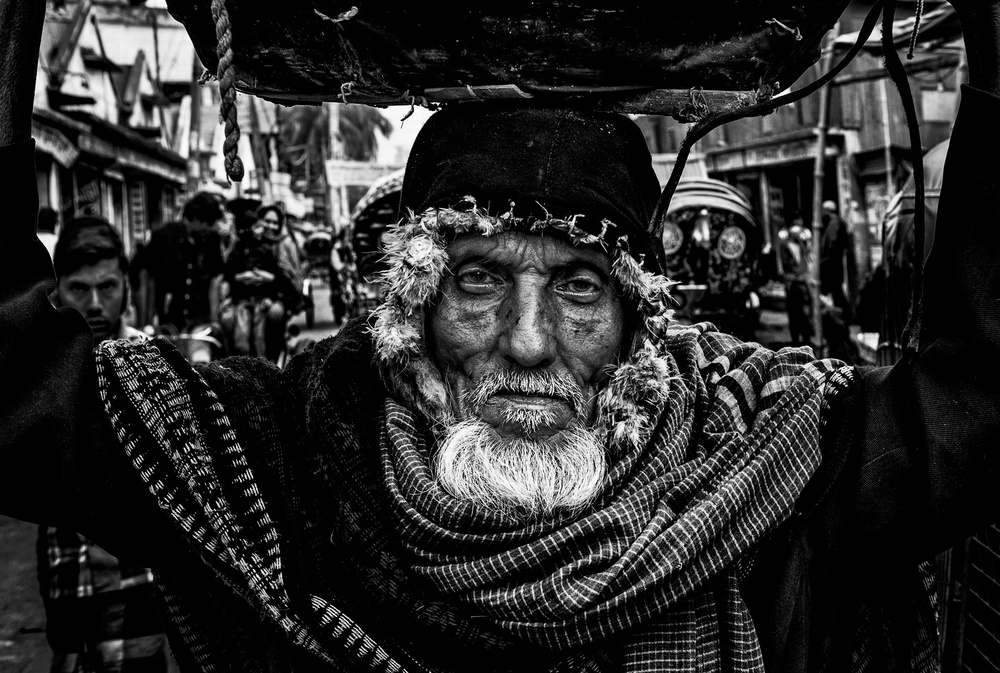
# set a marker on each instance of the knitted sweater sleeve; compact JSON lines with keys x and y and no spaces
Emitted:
{"x":923,"y":462}
{"x":61,"y":463}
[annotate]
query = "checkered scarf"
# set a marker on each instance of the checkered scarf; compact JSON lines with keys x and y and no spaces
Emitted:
{"x":655,"y":565}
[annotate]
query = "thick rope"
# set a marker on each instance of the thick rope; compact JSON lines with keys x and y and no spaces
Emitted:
{"x":898,"y":74}
{"x":226,"y":75}
{"x":704,"y":126}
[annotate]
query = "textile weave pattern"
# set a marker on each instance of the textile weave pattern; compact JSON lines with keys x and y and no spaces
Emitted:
{"x":167,"y":418}
{"x":181,"y":441}
{"x":656,"y":561}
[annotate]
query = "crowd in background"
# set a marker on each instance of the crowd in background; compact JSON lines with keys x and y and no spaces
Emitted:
{"x":233,"y":272}
{"x":226,"y":276}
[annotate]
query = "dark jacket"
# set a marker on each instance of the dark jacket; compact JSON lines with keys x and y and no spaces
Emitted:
{"x":182,"y":258}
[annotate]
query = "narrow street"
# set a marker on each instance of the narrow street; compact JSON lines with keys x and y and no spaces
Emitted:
{"x":22,"y":620}
{"x":323,"y":325}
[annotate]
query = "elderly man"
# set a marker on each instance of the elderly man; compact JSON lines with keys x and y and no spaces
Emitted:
{"x":520,"y":464}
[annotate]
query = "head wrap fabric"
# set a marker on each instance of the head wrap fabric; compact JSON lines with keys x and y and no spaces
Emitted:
{"x":486,"y":169}
{"x":550,"y":162}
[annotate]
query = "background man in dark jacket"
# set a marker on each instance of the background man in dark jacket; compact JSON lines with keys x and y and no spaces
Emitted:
{"x":181,"y":262}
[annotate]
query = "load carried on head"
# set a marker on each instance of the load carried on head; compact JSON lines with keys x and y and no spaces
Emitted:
{"x":641,"y":56}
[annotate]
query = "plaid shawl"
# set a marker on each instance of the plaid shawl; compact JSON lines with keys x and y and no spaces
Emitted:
{"x":649,"y":579}
{"x":656,"y":563}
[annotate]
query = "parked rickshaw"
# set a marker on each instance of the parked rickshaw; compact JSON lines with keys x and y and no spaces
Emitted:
{"x":377,"y":210}
{"x":712,"y":244}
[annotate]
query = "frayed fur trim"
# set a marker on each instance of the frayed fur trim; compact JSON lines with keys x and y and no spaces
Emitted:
{"x":416,"y":260}
{"x":629,"y":406}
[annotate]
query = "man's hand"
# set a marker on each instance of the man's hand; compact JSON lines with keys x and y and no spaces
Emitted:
{"x":254,"y":277}
{"x":20,"y":33}
{"x":981,"y":28}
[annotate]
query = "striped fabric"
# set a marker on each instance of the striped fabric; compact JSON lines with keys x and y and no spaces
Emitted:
{"x":178,"y":437}
{"x":657,"y":561}
{"x":647,"y":581}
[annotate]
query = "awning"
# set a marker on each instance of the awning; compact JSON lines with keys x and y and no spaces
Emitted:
{"x":772,"y":151}
{"x":55,"y":144}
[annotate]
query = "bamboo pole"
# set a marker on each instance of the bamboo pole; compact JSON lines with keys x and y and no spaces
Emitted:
{"x":819,"y":177}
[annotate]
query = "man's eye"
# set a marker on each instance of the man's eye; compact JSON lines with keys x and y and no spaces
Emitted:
{"x":477,"y":281}
{"x":581,"y":288}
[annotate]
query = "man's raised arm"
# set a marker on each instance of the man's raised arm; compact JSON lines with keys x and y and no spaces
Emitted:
{"x":931,"y":435}
{"x":57,"y":450}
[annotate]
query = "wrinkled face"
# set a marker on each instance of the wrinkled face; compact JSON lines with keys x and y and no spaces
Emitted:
{"x":97,"y":291}
{"x":524,"y":331}
{"x":526,"y":304}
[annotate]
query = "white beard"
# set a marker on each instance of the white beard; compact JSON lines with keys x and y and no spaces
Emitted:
{"x":521,"y":479}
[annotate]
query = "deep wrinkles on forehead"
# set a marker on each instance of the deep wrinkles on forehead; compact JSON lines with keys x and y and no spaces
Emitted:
{"x":518,"y":250}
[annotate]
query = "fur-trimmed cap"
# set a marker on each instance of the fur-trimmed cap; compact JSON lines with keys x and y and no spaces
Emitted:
{"x":563,"y":163}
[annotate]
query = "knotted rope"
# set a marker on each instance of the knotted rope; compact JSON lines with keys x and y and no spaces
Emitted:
{"x":226,"y":75}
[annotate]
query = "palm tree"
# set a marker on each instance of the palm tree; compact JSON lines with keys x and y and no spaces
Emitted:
{"x":303,"y":138}
{"x":358,"y":124}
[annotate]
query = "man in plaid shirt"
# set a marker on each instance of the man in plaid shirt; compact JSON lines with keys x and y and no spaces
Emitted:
{"x":101,"y":614}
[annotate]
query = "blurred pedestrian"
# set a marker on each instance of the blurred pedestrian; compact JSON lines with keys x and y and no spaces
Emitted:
{"x":796,"y":270}
{"x":101,"y":614}
{"x":272,"y":218}
{"x":181,"y":262}
{"x":834,"y":245}
{"x":260,"y":290}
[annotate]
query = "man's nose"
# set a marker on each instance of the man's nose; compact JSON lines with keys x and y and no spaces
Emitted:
{"x":529,"y":335}
{"x":93,"y":305}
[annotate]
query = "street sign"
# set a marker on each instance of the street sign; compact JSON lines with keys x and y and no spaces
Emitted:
{"x":361,"y":173}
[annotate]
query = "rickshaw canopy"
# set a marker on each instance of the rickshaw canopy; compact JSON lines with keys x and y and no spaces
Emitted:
{"x":711,"y":193}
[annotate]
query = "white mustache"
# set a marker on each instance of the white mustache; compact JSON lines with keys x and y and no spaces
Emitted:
{"x":527,"y":382}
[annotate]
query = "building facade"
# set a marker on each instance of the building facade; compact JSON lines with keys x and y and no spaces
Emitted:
{"x":772,"y":159}
{"x":103,"y":127}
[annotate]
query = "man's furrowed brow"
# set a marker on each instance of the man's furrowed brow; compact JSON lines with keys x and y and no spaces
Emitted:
{"x":575,"y":265}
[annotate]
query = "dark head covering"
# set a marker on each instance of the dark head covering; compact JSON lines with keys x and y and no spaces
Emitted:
{"x":570,"y":161}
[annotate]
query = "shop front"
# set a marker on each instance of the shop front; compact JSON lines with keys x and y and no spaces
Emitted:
{"x":91,"y":167}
